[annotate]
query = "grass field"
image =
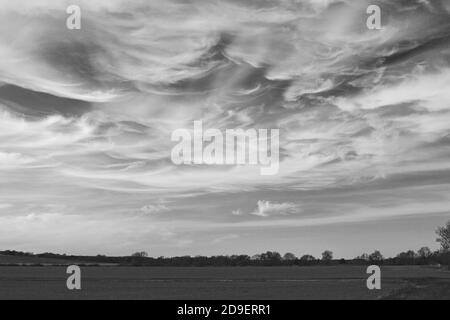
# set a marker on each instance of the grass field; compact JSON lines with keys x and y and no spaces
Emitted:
{"x":320,"y":282}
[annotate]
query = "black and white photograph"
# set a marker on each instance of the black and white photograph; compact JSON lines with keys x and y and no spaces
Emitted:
{"x":250,"y":151}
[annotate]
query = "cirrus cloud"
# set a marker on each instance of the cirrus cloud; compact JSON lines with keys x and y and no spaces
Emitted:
{"x":267,"y":208}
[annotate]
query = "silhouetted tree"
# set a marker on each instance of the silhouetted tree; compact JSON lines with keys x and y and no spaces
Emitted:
{"x":289,"y":256}
{"x":405,"y":258}
{"x":327,"y":255}
{"x":407,"y":255}
{"x":376,"y":256}
{"x":256,"y":257}
{"x":271,"y":256}
{"x":141,"y":254}
{"x":307,"y":258}
{"x":424,"y":253}
{"x":444,"y":237}
{"x":364,"y":257}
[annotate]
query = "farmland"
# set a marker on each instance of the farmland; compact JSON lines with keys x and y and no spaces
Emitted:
{"x":316,"y":282}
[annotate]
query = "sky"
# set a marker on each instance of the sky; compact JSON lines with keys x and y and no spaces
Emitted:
{"x":86,"y":118}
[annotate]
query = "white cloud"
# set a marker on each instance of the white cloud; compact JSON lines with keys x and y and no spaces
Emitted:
{"x":237,"y":212}
{"x":154,"y":208}
{"x":266,"y":208}
{"x":115,"y":157}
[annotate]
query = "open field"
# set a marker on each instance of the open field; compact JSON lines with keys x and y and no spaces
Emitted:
{"x":320,"y":282}
{"x":33,"y":260}
{"x":9,"y":260}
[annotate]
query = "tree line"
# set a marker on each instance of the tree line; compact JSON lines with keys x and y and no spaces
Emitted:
{"x":423,"y":256}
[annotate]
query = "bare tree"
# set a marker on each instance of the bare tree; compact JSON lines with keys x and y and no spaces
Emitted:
{"x":444,"y":237}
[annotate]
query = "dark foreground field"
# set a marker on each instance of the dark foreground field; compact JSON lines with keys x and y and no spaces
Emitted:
{"x":320,"y":282}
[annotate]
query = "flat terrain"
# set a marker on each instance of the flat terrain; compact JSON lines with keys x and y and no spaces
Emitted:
{"x":33,"y":260}
{"x":319,"y":282}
